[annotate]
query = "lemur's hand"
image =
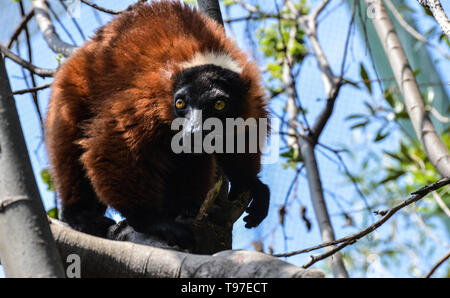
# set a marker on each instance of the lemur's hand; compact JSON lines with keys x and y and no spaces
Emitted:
{"x":259,"y":204}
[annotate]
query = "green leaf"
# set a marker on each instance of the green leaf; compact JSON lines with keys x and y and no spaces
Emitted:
{"x":404,"y":7}
{"x":388,"y":95}
{"x":402,"y":115}
{"x":444,"y":37}
{"x":417,"y":71}
{"x":361,"y":124}
{"x":392,"y":176}
{"x":365,"y":78}
{"x":354,"y":84}
{"x":287,"y":154}
{"x":53,"y":213}
{"x":192,"y":2}
{"x":47,"y":179}
{"x":427,"y":11}
{"x":380,"y":136}
{"x":355,"y":116}
{"x":369,"y":106}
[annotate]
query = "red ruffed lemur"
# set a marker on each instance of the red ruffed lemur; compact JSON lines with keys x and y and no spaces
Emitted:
{"x":108,"y":127}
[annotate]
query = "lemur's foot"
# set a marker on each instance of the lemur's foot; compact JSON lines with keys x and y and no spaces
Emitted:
{"x":174,"y":234}
{"x":96,"y":225}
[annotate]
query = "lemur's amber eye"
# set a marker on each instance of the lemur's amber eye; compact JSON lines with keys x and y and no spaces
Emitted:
{"x":219,"y":105}
{"x":180,"y":103}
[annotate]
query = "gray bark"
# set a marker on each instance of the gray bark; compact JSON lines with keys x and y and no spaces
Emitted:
{"x":436,"y":150}
{"x":439,"y":14}
{"x":48,"y":30}
{"x":27,"y":248}
{"x":320,"y":207}
{"x":308,"y":142}
{"x":105,"y":258}
{"x":212,"y":9}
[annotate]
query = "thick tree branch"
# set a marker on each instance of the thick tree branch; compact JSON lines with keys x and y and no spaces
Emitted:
{"x":42,"y":72}
{"x":413,"y":31}
{"x":436,"y":151}
{"x":386,"y":214}
{"x":307,"y":144}
{"x":438,"y":14}
{"x":48,"y":30}
{"x":106,"y":258}
{"x":26,"y":244}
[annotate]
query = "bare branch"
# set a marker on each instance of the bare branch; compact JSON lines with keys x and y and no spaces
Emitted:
{"x":42,"y":72}
{"x":439,"y":263}
{"x":247,"y":6}
{"x":315,"y":14}
{"x":413,"y":31}
{"x":315,"y":259}
{"x":20,"y":28}
{"x":48,"y":30}
{"x":436,"y":150}
{"x":319,"y":204}
{"x":106,"y":258}
{"x":386,"y":214}
{"x":34,"y":89}
{"x":27,"y":247}
{"x":306,"y":144}
{"x":438,"y":14}
{"x":93,"y":5}
{"x":30,"y":59}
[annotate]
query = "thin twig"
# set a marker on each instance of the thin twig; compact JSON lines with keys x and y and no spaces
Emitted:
{"x":413,"y":31}
{"x":30,"y":59}
{"x":19,"y":28}
{"x":34,"y":89}
{"x":386,"y":214}
{"x":439,"y":263}
{"x":438,"y":14}
{"x":42,"y":72}
{"x":93,"y":5}
{"x":74,"y":21}
{"x":347,"y":172}
{"x":331,"y":252}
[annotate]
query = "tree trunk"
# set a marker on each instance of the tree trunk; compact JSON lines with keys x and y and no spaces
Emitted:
{"x":27,"y":248}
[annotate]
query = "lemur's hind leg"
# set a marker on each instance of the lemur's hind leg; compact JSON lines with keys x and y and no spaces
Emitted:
{"x":81,"y":208}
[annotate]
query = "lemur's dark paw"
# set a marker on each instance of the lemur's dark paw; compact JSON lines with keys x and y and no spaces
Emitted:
{"x":96,"y":226}
{"x":259,"y":206}
{"x":174,"y":234}
{"x":236,"y":190}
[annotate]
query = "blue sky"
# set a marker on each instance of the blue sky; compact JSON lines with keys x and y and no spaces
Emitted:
{"x":332,"y":34}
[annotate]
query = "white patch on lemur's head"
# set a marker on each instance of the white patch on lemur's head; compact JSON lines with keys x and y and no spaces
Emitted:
{"x":220,"y":59}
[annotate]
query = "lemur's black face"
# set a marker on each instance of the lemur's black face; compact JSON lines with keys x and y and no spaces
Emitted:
{"x":206,"y":91}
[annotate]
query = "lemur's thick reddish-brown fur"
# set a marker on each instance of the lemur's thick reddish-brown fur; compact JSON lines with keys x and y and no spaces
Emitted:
{"x":111,"y":108}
